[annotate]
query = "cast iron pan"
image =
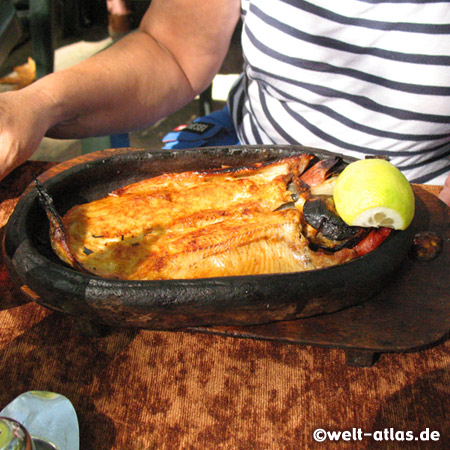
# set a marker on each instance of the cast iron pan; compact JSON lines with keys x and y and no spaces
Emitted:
{"x":173,"y":304}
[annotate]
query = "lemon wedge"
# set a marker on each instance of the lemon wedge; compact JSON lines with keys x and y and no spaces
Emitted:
{"x":374,"y":193}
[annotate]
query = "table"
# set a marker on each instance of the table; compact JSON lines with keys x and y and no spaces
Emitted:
{"x":141,"y":389}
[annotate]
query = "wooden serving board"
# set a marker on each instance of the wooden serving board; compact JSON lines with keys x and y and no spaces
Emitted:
{"x":411,"y":313}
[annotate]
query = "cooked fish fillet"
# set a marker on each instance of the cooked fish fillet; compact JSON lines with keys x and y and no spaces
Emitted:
{"x":195,"y":225}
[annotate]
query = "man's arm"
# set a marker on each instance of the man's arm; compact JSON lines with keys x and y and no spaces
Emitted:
{"x":173,"y":56}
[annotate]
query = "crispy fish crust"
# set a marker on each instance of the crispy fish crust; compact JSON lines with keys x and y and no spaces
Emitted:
{"x":195,"y":225}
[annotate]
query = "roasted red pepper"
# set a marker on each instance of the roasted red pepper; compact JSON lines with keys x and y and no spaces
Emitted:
{"x":372,"y":240}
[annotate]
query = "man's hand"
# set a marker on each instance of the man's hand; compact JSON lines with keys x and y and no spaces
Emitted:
{"x":445,"y":193}
{"x":23,"y":124}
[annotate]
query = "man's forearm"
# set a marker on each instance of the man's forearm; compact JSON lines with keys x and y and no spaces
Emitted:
{"x":129,"y":85}
{"x":173,"y":56}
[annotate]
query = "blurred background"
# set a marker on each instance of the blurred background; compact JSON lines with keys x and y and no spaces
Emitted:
{"x":38,"y":37}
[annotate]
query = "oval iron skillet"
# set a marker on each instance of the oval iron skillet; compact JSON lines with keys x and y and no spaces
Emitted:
{"x":169,"y":304}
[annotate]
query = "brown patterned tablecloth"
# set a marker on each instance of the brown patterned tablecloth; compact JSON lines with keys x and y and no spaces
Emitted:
{"x":140,"y":389}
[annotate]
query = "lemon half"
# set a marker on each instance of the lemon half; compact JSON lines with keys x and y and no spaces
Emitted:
{"x":374,"y":193}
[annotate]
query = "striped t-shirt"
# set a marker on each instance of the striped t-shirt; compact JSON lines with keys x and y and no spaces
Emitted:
{"x":358,"y":77}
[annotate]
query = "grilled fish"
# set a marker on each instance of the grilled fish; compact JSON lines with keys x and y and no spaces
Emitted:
{"x":222,"y":222}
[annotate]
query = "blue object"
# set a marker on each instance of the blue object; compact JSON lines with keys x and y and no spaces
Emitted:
{"x":215,"y":129}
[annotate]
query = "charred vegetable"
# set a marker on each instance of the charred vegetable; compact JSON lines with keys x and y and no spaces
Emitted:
{"x":325,"y":229}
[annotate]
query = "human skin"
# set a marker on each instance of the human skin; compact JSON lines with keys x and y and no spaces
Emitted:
{"x":117,"y":7}
{"x":445,"y":193}
{"x":147,"y":75}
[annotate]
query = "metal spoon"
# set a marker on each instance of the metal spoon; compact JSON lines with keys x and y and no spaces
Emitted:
{"x":49,"y":418}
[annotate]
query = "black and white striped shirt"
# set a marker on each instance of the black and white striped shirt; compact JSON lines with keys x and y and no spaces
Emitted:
{"x":359,"y":77}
